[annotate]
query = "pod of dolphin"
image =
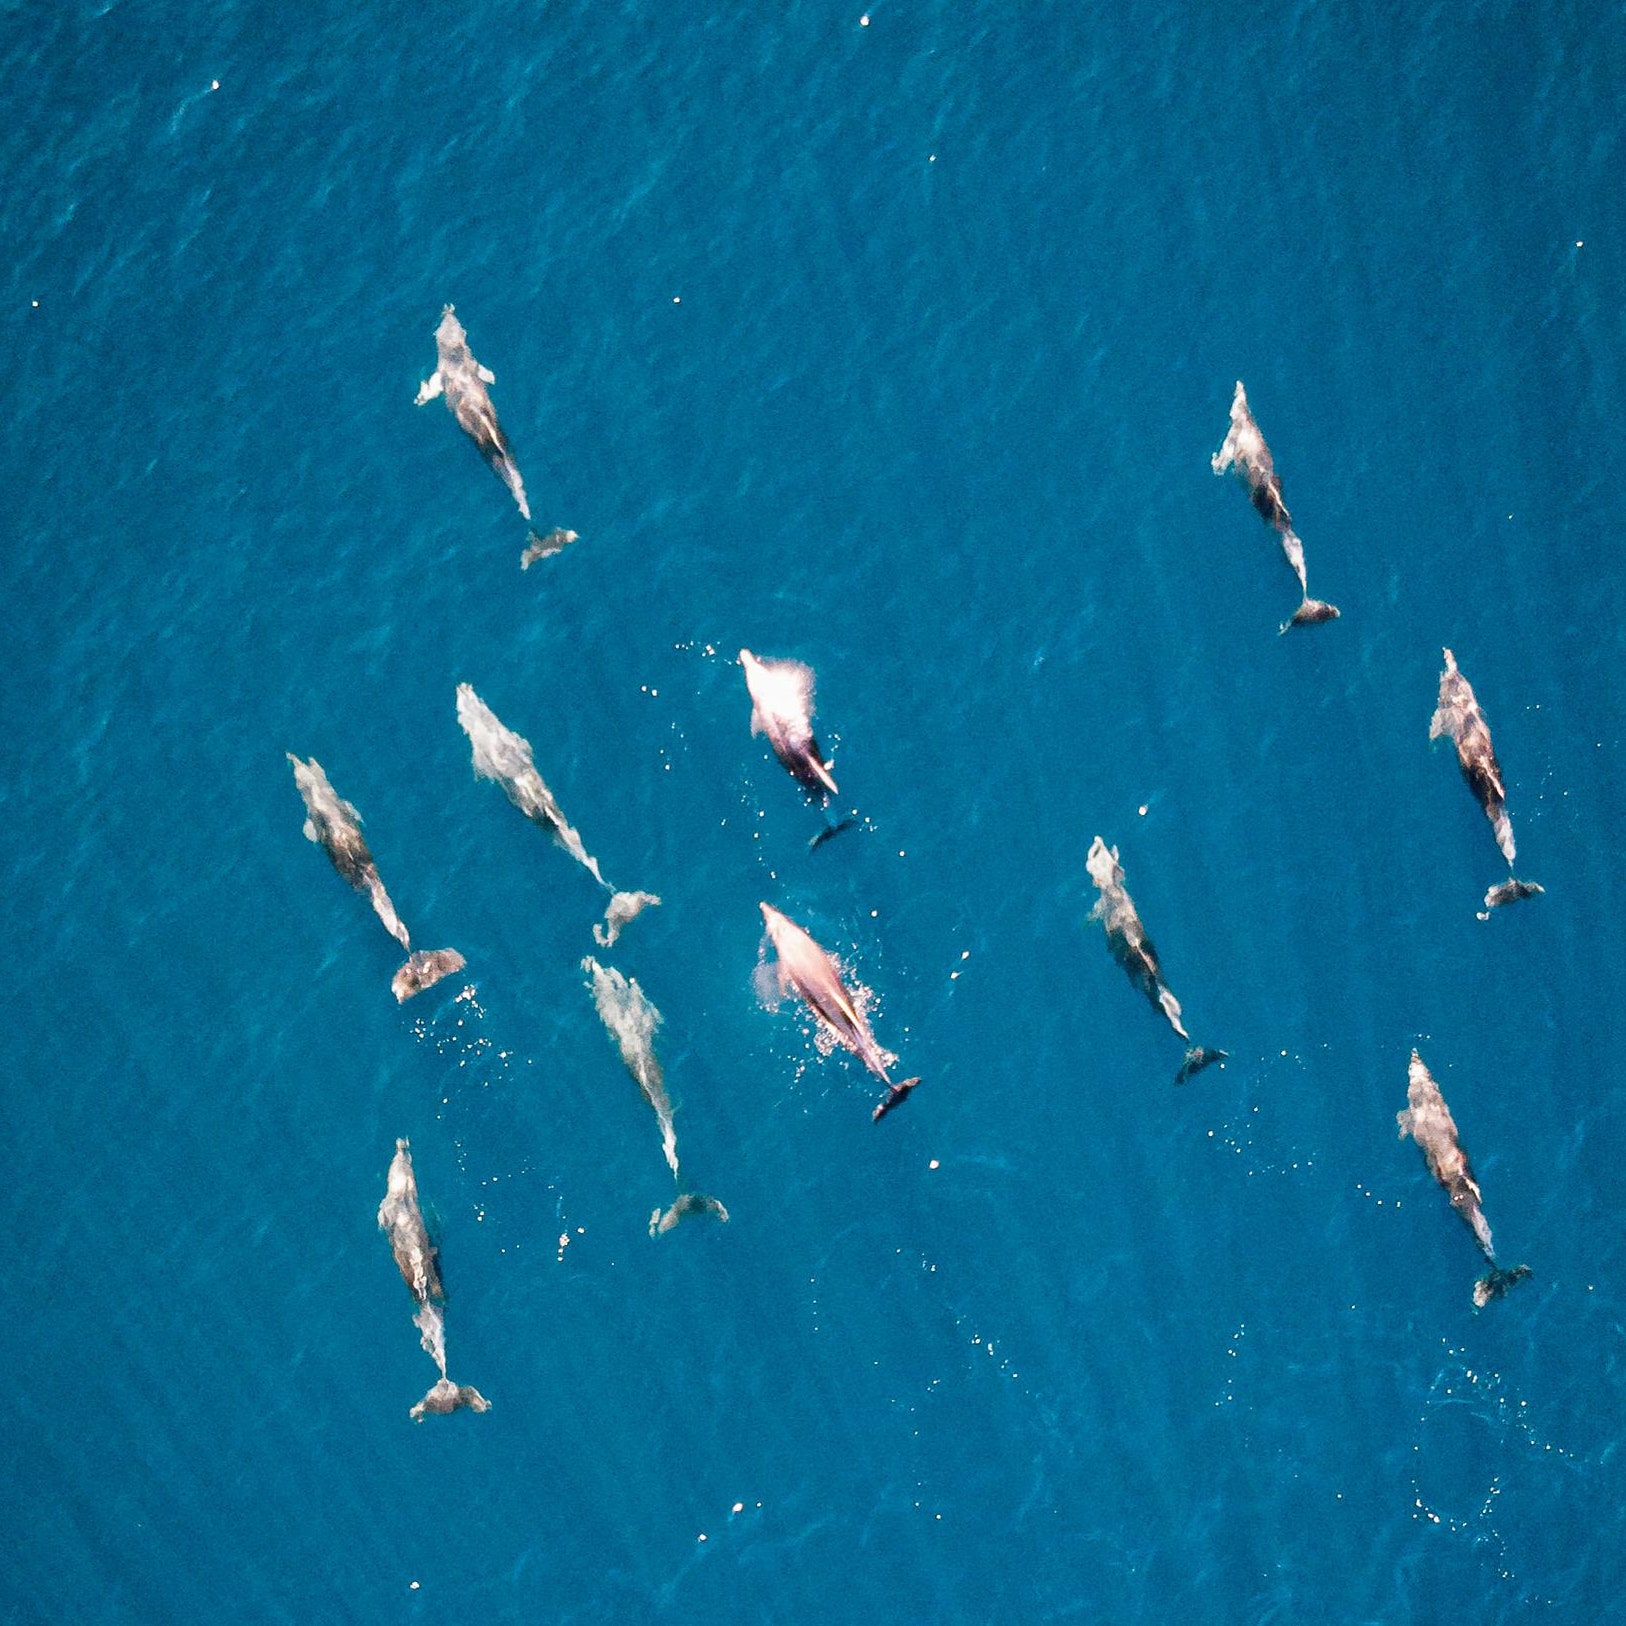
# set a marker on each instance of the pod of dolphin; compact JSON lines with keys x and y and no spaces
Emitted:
{"x":781,"y":694}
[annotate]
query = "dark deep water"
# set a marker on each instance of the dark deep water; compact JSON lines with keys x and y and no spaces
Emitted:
{"x":899,"y":348}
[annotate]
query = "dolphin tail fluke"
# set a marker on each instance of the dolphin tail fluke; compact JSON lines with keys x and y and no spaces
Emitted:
{"x":1310,"y":612}
{"x":830,"y":832}
{"x":1197,"y":1058}
{"x":895,"y":1096}
{"x":1510,"y":891}
{"x":1496,"y":1281}
{"x":690,"y":1202}
{"x":446,"y":1397}
{"x":423,"y":970}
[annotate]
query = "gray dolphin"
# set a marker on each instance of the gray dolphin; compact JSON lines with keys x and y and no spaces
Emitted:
{"x":811,"y":973}
{"x":400,"y":1218}
{"x":1133,"y":950}
{"x":462,"y":380}
{"x":631,"y":1021}
{"x":1428,"y":1121}
{"x":1458,"y":716}
{"x":335,"y":826}
{"x":1245,"y":450}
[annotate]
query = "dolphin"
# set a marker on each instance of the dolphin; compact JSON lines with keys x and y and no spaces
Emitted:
{"x":1457,"y":714}
{"x":1244,"y":449}
{"x":631,"y":1021}
{"x":812,"y":974}
{"x":1133,"y":950}
{"x":400,"y":1218}
{"x":1428,"y":1121}
{"x":335,"y":826}
{"x":782,"y":709}
{"x":503,"y":755}
{"x":462,"y":380}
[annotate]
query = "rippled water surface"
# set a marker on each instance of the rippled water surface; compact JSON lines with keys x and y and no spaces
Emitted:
{"x":899,"y":347}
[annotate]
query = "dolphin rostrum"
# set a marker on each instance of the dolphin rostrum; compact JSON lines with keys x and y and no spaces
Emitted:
{"x":1133,"y":950}
{"x":335,"y":826}
{"x":631,"y":1021}
{"x":1244,"y":449}
{"x":1457,"y":714}
{"x":401,"y":1220}
{"x":1428,"y":1121}
{"x":811,"y":973}
{"x":462,"y":380}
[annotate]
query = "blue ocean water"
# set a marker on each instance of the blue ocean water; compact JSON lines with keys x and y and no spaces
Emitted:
{"x":900,"y":347}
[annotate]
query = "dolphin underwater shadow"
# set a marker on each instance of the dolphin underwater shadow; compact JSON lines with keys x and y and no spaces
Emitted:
{"x":1428,"y":1121}
{"x":335,"y":826}
{"x":400,"y":1218}
{"x":1244,"y":449}
{"x":1457,"y":716}
{"x":1133,"y":950}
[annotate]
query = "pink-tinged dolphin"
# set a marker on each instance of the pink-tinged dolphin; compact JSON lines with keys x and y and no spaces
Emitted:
{"x":335,"y":826}
{"x":1133,"y":950}
{"x":782,"y":711}
{"x":1244,"y":449}
{"x":462,"y":381}
{"x":1428,"y":1121}
{"x":811,"y":973}
{"x":1457,"y":715}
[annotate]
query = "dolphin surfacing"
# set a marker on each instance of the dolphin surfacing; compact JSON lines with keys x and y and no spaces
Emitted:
{"x":1457,"y":715}
{"x":1133,"y":950}
{"x":811,"y":973}
{"x":631,"y":1020}
{"x":1244,"y":449}
{"x":1428,"y":1121}
{"x":400,"y":1218}
{"x":463,"y":382}
{"x":782,"y":711}
{"x":335,"y":826}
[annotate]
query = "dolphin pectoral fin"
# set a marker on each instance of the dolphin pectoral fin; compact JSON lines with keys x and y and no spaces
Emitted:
{"x":430,"y":388}
{"x":486,"y":374}
{"x":1197,"y":1058}
{"x":310,"y":832}
{"x":1496,"y":1282}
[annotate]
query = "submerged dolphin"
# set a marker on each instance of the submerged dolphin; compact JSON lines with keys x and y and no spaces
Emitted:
{"x":782,"y":709}
{"x":812,"y":974}
{"x":335,"y":826}
{"x":1133,"y":950}
{"x":462,"y":380}
{"x":503,"y":755}
{"x":401,"y":1219}
{"x":1457,"y":714}
{"x":1244,"y":449}
{"x":631,"y":1021}
{"x":1428,"y":1121}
